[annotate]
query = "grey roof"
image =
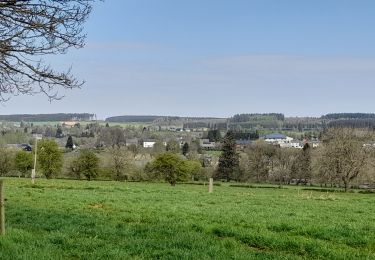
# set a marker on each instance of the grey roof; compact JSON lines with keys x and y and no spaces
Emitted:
{"x":275,"y":136}
{"x":243,"y":142}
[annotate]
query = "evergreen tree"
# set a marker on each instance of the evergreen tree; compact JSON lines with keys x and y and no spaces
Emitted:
{"x":214,"y":135}
{"x":185,"y":149}
{"x":59,"y":132}
{"x":229,"y":158}
{"x":69,"y":142}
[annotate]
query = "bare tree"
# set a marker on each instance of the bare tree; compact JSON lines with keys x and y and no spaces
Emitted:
{"x":343,"y":157}
{"x":31,"y":30}
{"x":121,"y":162}
{"x":260,"y":160}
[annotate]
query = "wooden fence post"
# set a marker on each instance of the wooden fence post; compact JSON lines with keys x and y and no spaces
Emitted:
{"x":211,"y":186}
{"x":2,"y":209}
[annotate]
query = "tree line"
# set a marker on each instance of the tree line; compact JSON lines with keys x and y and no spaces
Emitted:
{"x":47,"y":117}
{"x":344,"y":157}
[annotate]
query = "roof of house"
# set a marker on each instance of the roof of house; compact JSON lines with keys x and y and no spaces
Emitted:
{"x":275,"y":136}
{"x":243,"y":142}
{"x":149,"y":141}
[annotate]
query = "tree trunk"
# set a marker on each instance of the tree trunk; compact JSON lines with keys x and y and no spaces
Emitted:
{"x":346,"y":185}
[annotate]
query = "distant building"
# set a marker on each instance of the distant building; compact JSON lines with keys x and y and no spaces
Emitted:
{"x":206,"y":144}
{"x":149,"y":143}
{"x":241,"y":144}
{"x":296,"y":144}
{"x":69,"y":123}
{"x":277,"y":138}
{"x":133,"y":141}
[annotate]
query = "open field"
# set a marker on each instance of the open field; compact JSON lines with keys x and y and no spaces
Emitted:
{"x":59,"y":219}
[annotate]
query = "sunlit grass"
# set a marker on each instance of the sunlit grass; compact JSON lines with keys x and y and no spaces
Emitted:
{"x":61,"y":219}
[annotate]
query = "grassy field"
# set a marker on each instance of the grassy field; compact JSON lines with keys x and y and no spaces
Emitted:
{"x":60,"y":219}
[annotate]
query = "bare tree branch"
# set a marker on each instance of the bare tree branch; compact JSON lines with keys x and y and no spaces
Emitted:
{"x":31,"y":30}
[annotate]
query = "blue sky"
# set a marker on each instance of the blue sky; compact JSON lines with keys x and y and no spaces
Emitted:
{"x":220,"y":57}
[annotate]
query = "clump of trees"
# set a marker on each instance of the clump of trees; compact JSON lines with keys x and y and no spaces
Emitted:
{"x":343,"y":157}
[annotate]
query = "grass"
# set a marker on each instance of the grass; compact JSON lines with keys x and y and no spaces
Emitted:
{"x":65,"y":219}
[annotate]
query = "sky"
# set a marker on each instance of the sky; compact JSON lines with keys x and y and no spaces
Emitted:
{"x":219,"y":58}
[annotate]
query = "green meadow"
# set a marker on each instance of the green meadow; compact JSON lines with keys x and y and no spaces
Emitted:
{"x":66,"y":219}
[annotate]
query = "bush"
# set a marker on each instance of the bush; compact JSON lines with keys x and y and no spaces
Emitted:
{"x":6,"y":161}
{"x":87,"y":164}
{"x":170,"y":167}
{"x":49,"y":158}
{"x":23,"y":162}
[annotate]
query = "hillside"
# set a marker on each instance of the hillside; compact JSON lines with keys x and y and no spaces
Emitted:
{"x":47,"y":117}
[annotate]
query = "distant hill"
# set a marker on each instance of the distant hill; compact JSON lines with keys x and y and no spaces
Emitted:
{"x":47,"y":117}
{"x":157,"y":119}
{"x":349,"y":116}
{"x":133,"y":119}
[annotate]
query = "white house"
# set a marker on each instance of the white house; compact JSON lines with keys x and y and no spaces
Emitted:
{"x":296,"y":144}
{"x":279,"y":139}
{"x":148,"y":143}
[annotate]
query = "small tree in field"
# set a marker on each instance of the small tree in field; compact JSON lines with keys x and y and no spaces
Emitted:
{"x":49,"y":158}
{"x":23,"y":162}
{"x":121,"y":162}
{"x":170,"y":167}
{"x":69,"y":143}
{"x":88,"y":164}
{"x":185,"y":149}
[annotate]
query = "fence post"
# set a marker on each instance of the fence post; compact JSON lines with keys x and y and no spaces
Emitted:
{"x":2,"y":209}
{"x":211,"y":186}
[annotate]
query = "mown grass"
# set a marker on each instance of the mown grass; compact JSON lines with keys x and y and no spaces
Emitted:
{"x":64,"y":219}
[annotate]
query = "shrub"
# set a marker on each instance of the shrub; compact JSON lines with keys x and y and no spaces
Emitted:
{"x":23,"y":162}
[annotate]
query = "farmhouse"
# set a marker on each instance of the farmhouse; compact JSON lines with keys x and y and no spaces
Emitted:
{"x":277,"y":138}
{"x":206,"y":144}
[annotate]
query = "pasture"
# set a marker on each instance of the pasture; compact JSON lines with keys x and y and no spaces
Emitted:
{"x":60,"y":219}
